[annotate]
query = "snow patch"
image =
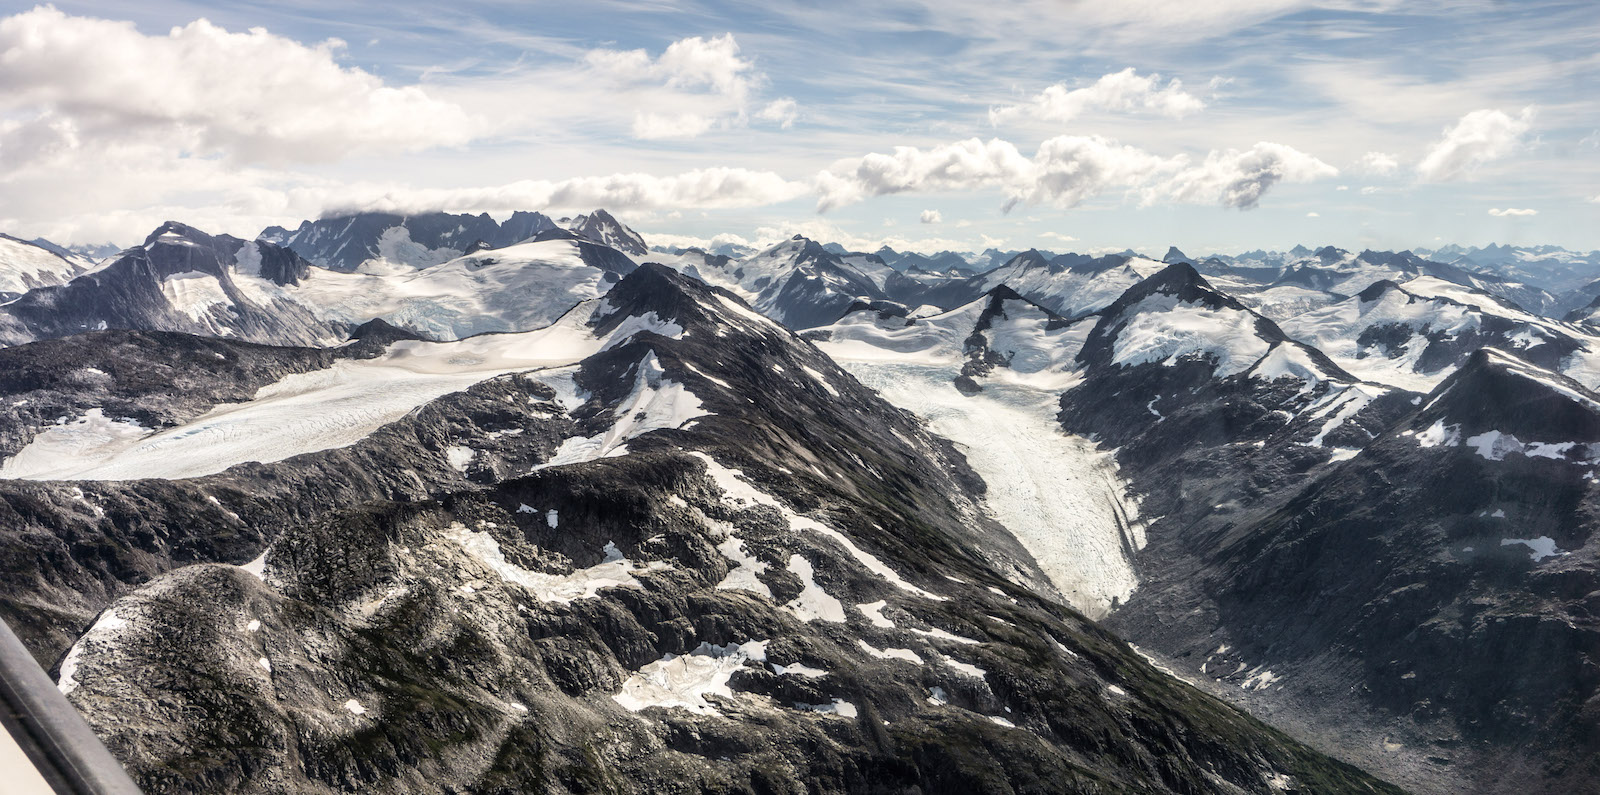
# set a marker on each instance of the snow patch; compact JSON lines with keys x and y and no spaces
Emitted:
{"x":684,"y":681}
{"x":874,"y":613}
{"x":813,"y":603}
{"x":1540,"y":548}
{"x":890,"y":654}
{"x":615,"y":571}
{"x":656,"y":403}
{"x":459,"y":457}
{"x":101,"y":636}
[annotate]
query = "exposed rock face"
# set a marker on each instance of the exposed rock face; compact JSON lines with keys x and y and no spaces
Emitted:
{"x":701,"y":558}
{"x":344,"y":243}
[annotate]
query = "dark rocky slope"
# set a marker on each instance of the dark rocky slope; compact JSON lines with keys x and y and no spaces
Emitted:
{"x":419,"y":626}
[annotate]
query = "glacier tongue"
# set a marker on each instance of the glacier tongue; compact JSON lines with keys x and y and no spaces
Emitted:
{"x":303,"y":413}
{"x":1059,"y":496}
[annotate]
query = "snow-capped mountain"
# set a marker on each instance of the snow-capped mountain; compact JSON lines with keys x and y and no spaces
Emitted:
{"x":797,"y":282}
{"x":182,"y":279}
{"x":1552,"y":267}
{"x":603,"y":228}
{"x":1413,"y":335}
{"x":179,"y":279}
{"x":662,"y":540}
{"x":25,"y":265}
{"x":345,"y":243}
{"x":382,"y":242}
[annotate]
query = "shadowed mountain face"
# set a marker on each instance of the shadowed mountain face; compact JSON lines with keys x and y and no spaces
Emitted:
{"x":663,"y":545}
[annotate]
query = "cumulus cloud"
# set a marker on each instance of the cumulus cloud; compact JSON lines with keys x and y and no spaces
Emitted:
{"x":1068,"y":169}
{"x":708,"y":73}
{"x":1512,"y":212}
{"x":1313,"y":214}
{"x":71,"y":84}
{"x":1475,"y":139}
{"x":1238,"y":179}
{"x":932,"y":217}
{"x":694,"y":63}
{"x":1123,"y":92}
{"x":1380,"y":163}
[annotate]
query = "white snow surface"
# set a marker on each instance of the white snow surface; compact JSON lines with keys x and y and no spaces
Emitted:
{"x":56,"y":451}
{"x":1069,"y":292}
{"x":656,"y":403}
{"x":303,"y":413}
{"x":194,"y":293}
{"x":508,"y":289}
{"x":1160,"y":328}
{"x":1541,"y":547}
{"x":890,"y":654}
{"x":101,"y":635}
{"x":1037,"y":354}
{"x":1059,"y":495}
{"x":812,"y":603}
{"x":459,"y":457}
{"x":24,"y":266}
{"x":683,"y":681}
{"x":615,"y":571}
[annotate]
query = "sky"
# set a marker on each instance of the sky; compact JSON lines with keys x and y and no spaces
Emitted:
{"x":1069,"y":125}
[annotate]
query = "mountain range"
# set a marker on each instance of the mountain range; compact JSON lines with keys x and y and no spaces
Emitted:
{"x":408,"y":503}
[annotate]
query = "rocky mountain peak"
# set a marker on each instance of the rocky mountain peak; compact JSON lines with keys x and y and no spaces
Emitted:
{"x":1498,"y":392}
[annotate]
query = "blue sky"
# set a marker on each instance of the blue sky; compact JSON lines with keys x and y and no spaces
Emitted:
{"x":1063,"y":125}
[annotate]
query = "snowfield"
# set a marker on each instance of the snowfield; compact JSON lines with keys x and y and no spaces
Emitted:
{"x":302,"y":413}
{"x":1058,"y":494}
{"x":509,"y":289}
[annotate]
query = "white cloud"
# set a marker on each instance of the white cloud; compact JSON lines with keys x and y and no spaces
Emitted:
{"x":1313,"y":215}
{"x":964,"y":165}
{"x":1370,"y":190}
{"x":706,"y":73}
{"x":1512,"y":212}
{"x":782,"y":111}
{"x":1069,"y":169}
{"x":932,"y":217}
{"x":1066,"y":170}
{"x":1238,"y":179}
{"x":1343,"y":187}
{"x":693,"y":63}
{"x":655,"y":126}
{"x":72,"y":85}
{"x":1380,"y":163}
{"x":710,"y":188}
{"x":1475,"y":139}
{"x":1059,"y":236}
{"x":1125,"y":91}
{"x":673,"y":239}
